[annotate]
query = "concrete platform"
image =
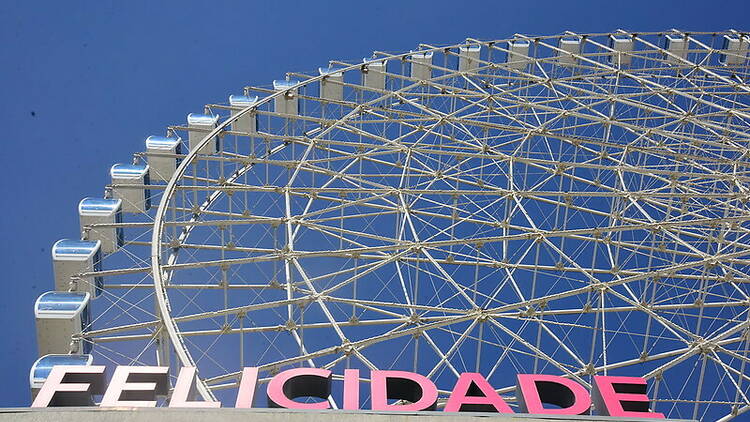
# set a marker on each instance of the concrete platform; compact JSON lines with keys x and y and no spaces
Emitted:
{"x":95,"y":414}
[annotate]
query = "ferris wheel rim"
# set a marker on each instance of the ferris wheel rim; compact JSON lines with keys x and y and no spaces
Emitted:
{"x":158,"y":226}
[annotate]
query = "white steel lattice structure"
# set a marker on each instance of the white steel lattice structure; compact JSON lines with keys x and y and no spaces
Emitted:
{"x":570,"y":204}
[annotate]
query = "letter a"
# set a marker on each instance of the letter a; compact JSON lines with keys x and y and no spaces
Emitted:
{"x":533,"y":391}
{"x":473,"y":393}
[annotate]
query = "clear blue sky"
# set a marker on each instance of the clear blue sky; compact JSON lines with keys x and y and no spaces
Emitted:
{"x":83,"y":83}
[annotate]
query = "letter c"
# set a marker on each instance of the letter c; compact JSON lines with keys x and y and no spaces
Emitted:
{"x":300,"y":382}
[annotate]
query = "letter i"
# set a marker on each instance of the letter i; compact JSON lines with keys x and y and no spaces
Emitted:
{"x":351,"y":389}
{"x":246,"y":391}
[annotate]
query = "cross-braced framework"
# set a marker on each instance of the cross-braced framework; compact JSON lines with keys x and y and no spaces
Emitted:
{"x":572,"y":205}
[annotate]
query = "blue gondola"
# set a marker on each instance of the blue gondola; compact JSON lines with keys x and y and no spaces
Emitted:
{"x":60,"y":315}
{"x":102,"y":211}
{"x":421,"y":65}
{"x":289,"y":102}
{"x":135,"y":199}
{"x":199,"y":125}
{"x":622,"y":46}
{"x":734,"y":50}
{"x":161,"y":160}
{"x":518,"y":54}
{"x":569,"y":48}
{"x":71,"y":257}
{"x":677,"y":45}
{"x":331,"y":86}
{"x":373,"y":74}
{"x":43,"y":366}
{"x":247,"y":123}
{"x":468,"y":57}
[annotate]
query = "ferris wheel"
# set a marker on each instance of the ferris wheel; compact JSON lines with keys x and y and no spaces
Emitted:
{"x":574,"y":204}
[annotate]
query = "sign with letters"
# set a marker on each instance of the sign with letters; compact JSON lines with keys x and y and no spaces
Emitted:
{"x":139,"y":386}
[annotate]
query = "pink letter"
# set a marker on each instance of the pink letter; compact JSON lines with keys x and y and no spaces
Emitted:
{"x":535,"y":390}
{"x":71,"y":385}
{"x":136,"y":386}
{"x":472,"y":393}
{"x":622,"y":397}
{"x":185,"y":388}
{"x":246,"y":391}
{"x":351,"y":389}
{"x":402,"y":385}
{"x":300,"y":382}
